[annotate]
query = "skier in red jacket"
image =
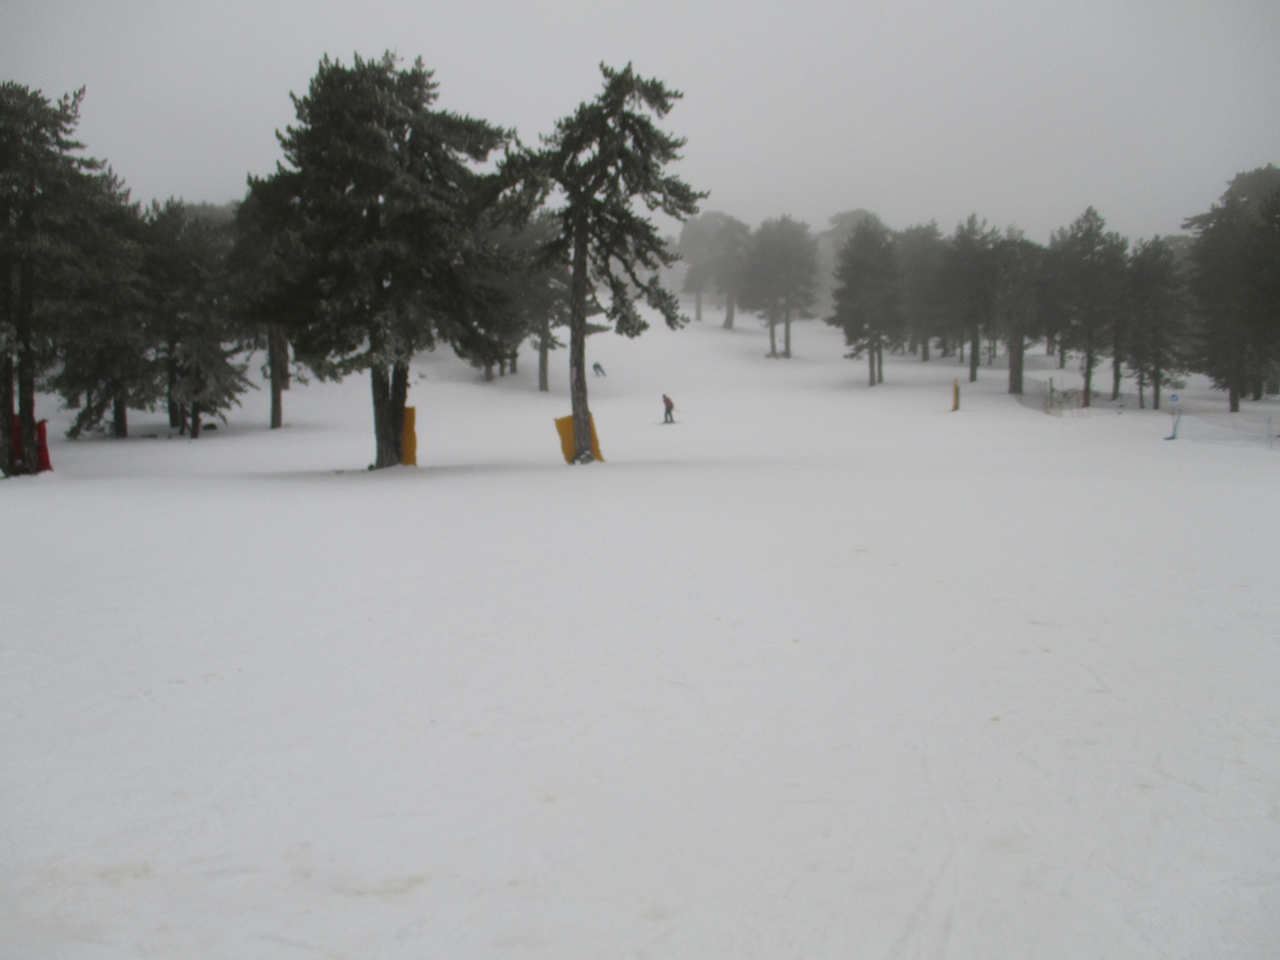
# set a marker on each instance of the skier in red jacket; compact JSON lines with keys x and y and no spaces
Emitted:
{"x":668,"y":406}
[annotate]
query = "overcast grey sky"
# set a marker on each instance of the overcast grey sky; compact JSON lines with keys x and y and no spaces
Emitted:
{"x":1023,"y":112}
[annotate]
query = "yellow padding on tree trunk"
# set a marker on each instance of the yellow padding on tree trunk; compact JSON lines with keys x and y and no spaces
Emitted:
{"x":564,"y":427}
{"x":409,"y":439}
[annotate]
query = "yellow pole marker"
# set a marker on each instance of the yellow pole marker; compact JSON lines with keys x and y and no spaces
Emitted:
{"x":955,"y":395}
{"x":409,"y":439}
{"x":564,"y":427}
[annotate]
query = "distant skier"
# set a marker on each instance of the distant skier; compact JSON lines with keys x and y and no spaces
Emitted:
{"x":598,"y":370}
{"x":668,"y":406}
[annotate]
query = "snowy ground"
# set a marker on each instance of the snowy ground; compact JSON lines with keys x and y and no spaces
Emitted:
{"x":821,"y":671}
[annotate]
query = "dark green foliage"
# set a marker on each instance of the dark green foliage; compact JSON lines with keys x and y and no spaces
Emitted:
{"x":969,"y":282}
{"x":781,"y":276}
{"x":1234,"y":280}
{"x":104,"y":333}
{"x":1157,"y":324}
{"x":385,"y":230}
{"x":830,"y":243}
{"x":41,"y":192}
{"x":714,"y":247}
{"x":1088,"y":263}
{"x":868,"y":295}
{"x":1019,"y":285}
{"x":535,"y":288}
{"x":273,"y":282}
{"x":922,"y":254}
{"x":195,"y":328}
{"x":606,"y":157}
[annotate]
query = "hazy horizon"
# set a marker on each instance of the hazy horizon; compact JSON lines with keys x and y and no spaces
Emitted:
{"x":1025,"y":114}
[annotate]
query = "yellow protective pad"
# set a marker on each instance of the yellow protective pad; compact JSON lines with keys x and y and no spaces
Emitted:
{"x":564,"y":427}
{"x":409,"y":439}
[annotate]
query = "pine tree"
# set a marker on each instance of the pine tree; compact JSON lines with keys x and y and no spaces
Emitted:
{"x":969,"y":282}
{"x":1089,"y":262}
{"x":1018,"y":285}
{"x":390,"y":216}
{"x":107,"y":356}
{"x":1235,"y":263}
{"x":781,"y":277}
{"x":605,"y":157}
{"x":1157,"y":316}
{"x":40,"y":185}
{"x":868,"y":295}
{"x":922,"y":253}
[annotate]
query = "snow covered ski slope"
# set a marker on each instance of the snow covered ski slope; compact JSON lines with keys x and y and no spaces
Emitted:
{"x":829,"y":672}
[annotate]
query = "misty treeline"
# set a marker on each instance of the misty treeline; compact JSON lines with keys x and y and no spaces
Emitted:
{"x":1157,"y":309}
{"x":390,"y":227}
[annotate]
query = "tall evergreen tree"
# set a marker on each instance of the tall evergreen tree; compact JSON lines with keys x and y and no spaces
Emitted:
{"x":868,"y":295}
{"x":1157,"y":316}
{"x":389,"y":208}
{"x":781,"y":277}
{"x":1018,"y":286}
{"x":1090,"y":261}
{"x":604,"y":158}
{"x":1234,"y":265}
{"x":273,"y":282}
{"x":729,"y":268}
{"x":107,"y":357}
{"x":197,"y":327}
{"x":40,"y":186}
{"x":969,"y":281}
{"x":698,"y":250}
{"x":714,"y":246}
{"x":537,"y":288}
{"x":922,"y":253}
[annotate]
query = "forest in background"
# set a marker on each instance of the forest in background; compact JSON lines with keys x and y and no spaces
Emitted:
{"x":393,"y":226}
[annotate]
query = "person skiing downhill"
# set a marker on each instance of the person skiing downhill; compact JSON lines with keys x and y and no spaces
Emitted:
{"x":668,"y":406}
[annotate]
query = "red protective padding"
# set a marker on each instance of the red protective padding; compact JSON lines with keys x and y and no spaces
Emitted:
{"x":42,"y":447}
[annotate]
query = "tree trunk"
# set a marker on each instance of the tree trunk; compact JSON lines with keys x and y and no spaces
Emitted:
{"x":729,"y":307}
{"x":195,"y":421}
{"x":488,"y":373}
{"x":1017,"y":352}
{"x":278,"y":366}
{"x":1115,"y":377}
{"x":871,"y":366}
{"x":6,"y":372}
{"x":880,"y":362}
{"x":773,"y":339}
{"x":511,"y":361}
{"x":177,"y":416}
{"x":975,"y":352}
{"x":119,"y":415}
{"x":1088,"y":374}
{"x":544,"y":348}
{"x":1233,"y":401}
{"x":390,"y":389}
{"x":1142,"y":389}
{"x":924,"y":350}
{"x":697,"y":303}
{"x":26,"y":370}
{"x":6,"y":415}
{"x":1155,"y":387}
{"x":786,"y":335}
{"x":578,"y":345}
